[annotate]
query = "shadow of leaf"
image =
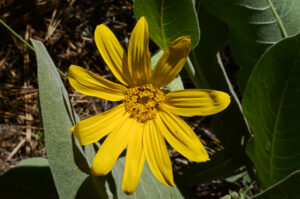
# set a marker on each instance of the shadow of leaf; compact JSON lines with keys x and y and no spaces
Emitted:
{"x":28,"y":182}
{"x":92,"y":188}
{"x":79,"y":158}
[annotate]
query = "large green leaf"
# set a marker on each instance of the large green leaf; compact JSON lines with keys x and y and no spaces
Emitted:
{"x":286,"y":188}
{"x":222,"y":164}
{"x":204,"y":57}
{"x":255,"y":25}
{"x":168,"y":20}
{"x":229,"y":125}
{"x":271,"y":106}
{"x":30,"y":179}
{"x":69,"y":167}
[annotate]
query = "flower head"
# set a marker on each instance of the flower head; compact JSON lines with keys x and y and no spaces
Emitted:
{"x":148,"y":115}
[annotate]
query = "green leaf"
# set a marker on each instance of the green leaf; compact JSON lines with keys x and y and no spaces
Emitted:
{"x":30,"y":179}
{"x":168,"y":20}
{"x":244,"y":175}
{"x":203,"y":57}
{"x":222,"y":164}
{"x":69,"y":166}
{"x":209,"y":73}
{"x":286,"y":188}
{"x":255,"y":25}
{"x":271,"y":106}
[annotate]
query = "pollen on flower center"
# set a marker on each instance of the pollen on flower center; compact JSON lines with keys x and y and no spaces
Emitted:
{"x":143,"y":102}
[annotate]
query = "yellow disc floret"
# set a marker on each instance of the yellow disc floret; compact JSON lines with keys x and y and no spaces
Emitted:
{"x":143,"y":102}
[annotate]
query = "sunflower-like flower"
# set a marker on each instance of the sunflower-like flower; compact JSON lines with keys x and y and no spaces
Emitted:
{"x":148,"y":114}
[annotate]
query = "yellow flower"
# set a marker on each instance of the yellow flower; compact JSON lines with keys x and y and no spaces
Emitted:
{"x":148,"y":114}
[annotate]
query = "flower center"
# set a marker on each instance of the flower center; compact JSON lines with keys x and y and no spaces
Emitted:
{"x":143,"y":102}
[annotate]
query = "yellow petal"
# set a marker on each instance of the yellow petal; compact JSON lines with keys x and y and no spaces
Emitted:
{"x":135,"y":159}
{"x":113,"y":146}
{"x":157,"y":154}
{"x":171,"y":62}
{"x":139,"y":57}
{"x":191,"y":102}
{"x":112,"y":53}
{"x":94,"y":128}
{"x":180,"y":136}
{"x":91,"y":84}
